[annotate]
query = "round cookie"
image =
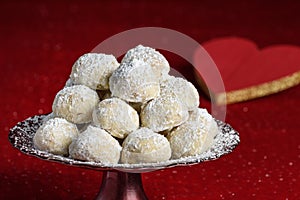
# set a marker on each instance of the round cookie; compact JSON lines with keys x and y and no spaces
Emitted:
{"x":145,"y":146}
{"x":55,"y":136}
{"x":163,"y":113}
{"x":182,"y":89}
{"x":134,"y":81}
{"x":149,"y":55}
{"x":95,"y":144}
{"x":194,"y":136}
{"x":200,"y":115}
{"x":75,"y":104}
{"x":116,"y":117}
{"x":93,"y":70}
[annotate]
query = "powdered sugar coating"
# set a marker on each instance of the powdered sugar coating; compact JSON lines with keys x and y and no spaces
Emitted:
{"x":201,"y":116}
{"x":164,"y":112}
{"x":93,"y":70}
{"x":95,"y":144}
{"x":75,"y":104}
{"x":145,"y":146}
{"x":80,"y":127}
{"x":116,"y":116}
{"x":194,"y":136}
{"x":134,"y":81}
{"x":186,"y":140}
{"x":55,"y":136}
{"x":182,"y":89}
{"x":149,"y":55}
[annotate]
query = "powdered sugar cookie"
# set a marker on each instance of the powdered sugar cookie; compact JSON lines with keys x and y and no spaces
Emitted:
{"x":93,"y":70}
{"x":55,"y":136}
{"x":75,"y":104}
{"x":149,"y":55}
{"x":145,"y":146}
{"x":134,"y":81}
{"x":116,"y":116}
{"x":182,"y":89}
{"x":95,"y":144}
{"x":200,"y":115}
{"x":194,"y":136}
{"x":164,"y":112}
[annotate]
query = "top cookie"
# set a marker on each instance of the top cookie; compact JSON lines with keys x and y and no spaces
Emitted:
{"x":93,"y":70}
{"x":149,"y":55}
{"x":134,"y":81}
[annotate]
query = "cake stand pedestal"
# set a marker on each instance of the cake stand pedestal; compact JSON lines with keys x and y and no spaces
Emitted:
{"x":121,"y":185}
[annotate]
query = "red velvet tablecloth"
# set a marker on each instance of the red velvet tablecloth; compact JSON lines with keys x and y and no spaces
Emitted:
{"x":40,"y":40}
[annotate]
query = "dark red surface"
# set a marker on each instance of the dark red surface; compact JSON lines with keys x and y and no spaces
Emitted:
{"x":39,"y":41}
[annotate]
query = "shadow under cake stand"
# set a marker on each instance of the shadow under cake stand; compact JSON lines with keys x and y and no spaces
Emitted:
{"x":121,"y":181}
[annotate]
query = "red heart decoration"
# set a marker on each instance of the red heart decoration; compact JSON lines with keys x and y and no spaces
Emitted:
{"x":249,"y":72}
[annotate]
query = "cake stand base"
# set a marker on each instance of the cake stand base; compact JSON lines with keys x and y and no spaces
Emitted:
{"x":121,"y":185}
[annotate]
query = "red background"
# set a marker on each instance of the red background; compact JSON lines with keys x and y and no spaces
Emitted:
{"x":39,"y":41}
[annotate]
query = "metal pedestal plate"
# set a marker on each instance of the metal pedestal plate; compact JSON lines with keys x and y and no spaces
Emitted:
{"x":120,"y":181}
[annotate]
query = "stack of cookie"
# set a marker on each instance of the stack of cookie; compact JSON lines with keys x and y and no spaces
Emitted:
{"x":128,"y":112}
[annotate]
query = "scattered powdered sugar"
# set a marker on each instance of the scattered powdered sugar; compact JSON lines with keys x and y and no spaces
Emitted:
{"x":21,"y":137}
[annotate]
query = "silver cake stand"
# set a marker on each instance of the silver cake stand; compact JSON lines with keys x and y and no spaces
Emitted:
{"x":121,"y":181}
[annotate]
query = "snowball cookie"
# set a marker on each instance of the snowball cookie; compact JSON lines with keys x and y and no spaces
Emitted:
{"x":149,"y":55}
{"x":182,"y":89}
{"x":145,"y":146}
{"x":95,"y":144}
{"x":134,"y":81}
{"x":194,"y":136}
{"x":55,"y":136}
{"x":116,"y":116}
{"x":164,"y":112}
{"x":201,"y":115}
{"x":93,"y":70}
{"x":75,"y":104}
